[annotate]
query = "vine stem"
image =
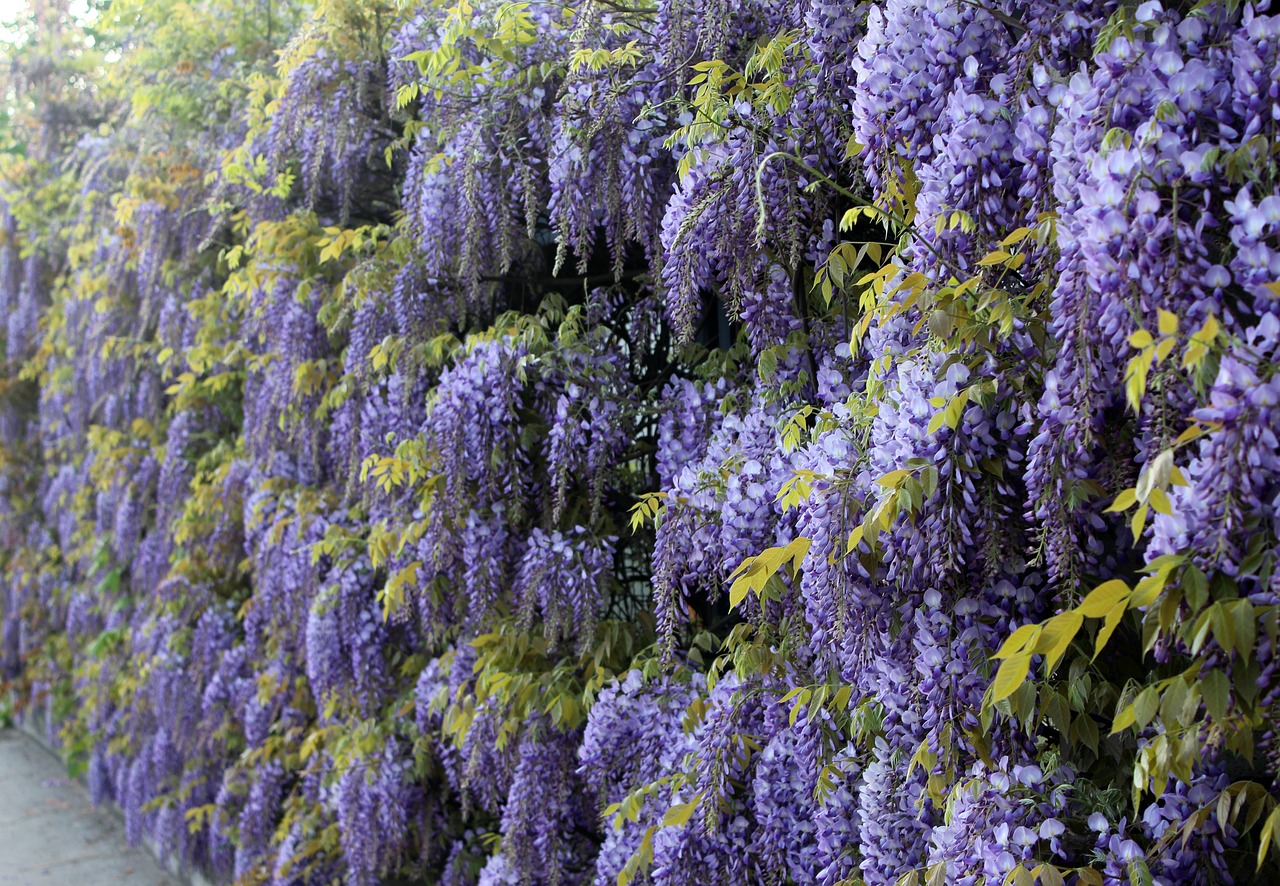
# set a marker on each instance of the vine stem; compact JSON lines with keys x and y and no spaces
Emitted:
{"x":845,"y":192}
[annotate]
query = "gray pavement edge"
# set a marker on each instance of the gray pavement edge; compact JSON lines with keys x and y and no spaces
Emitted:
{"x":185,"y":875}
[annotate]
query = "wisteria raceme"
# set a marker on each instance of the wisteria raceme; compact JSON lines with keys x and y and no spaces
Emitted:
{"x":561,"y":577}
{"x":548,"y":820}
{"x":632,"y":737}
{"x":784,"y":803}
{"x":373,"y":803}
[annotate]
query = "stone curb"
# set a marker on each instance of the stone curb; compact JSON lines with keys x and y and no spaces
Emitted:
{"x":30,"y":726}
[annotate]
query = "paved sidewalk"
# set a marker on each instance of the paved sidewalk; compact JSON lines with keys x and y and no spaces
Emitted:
{"x":51,"y":835}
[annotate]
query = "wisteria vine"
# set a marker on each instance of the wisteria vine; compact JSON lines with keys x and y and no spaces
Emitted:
{"x":540,"y":443}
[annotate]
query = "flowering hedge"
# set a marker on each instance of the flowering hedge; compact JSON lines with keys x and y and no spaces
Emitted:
{"x":692,"y":442}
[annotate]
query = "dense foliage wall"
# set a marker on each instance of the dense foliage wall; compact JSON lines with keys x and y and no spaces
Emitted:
{"x":778,"y":441}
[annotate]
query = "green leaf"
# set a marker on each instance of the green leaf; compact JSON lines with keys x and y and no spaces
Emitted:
{"x":1139,"y":873}
{"x":1145,"y":706}
{"x":1244,"y":625}
{"x":640,"y":860}
{"x":1172,"y":701}
{"x":1195,"y":584}
{"x":1216,"y":689}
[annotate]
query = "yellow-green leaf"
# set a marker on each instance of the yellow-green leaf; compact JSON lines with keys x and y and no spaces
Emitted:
{"x":1056,"y":638}
{"x":1139,"y":522}
{"x":1104,"y":598}
{"x":1270,"y":834}
{"x":1015,"y":237}
{"x":1012,"y":674}
{"x":1018,"y":641}
{"x":1108,"y":628}
{"x":1125,"y":500}
{"x":680,"y":812}
{"x":893,"y":478}
{"x":1160,"y":502}
{"x":855,"y":538}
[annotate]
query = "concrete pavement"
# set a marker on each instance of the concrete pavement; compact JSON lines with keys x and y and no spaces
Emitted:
{"x":51,"y":835}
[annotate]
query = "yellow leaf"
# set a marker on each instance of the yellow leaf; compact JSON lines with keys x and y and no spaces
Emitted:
{"x":1136,"y":378}
{"x":739,"y":589}
{"x":1108,"y":628}
{"x":993,"y":258}
{"x":1056,"y":638}
{"x":1160,"y":502}
{"x":1124,"y":719}
{"x":1141,"y":339}
{"x":1148,"y":590}
{"x":894,"y":478}
{"x":1189,"y":434}
{"x":1139,"y":522}
{"x":1125,"y":500}
{"x":1270,"y":833}
{"x":1018,"y":641}
{"x":1012,"y":674}
{"x":797,"y":550}
{"x":1194,"y":355}
{"x":855,"y":538}
{"x":1015,"y":237}
{"x":680,"y":812}
{"x":1104,"y":598}
{"x":935,"y":423}
{"x":1168,"y":322}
